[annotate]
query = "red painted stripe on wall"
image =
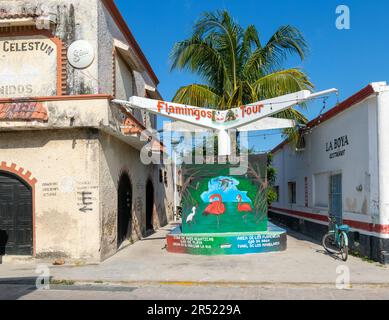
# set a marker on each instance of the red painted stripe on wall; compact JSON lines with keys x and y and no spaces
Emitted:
{"x":302,"y":214}
{"x":370,"y":227}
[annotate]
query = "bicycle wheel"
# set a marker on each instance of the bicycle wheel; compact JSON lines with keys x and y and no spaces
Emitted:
{"x":329,"y":243}
{"x":343,"y":247}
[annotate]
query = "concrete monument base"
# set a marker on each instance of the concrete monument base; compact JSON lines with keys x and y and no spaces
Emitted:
{"x":272,"y":240}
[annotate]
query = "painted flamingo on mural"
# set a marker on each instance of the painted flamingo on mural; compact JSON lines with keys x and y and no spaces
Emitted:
{"x":244,"y":207}
{"x":216,"y":207}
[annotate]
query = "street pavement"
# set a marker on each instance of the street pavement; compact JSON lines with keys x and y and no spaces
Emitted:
{"x":146,"y":270}
{"x":177,"y":292}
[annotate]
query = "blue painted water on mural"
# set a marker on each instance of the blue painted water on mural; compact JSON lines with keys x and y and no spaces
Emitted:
{"x":227,"y":187}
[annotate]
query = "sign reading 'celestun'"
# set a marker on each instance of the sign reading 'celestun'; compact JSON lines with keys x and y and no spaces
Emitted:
{"x":28,"y":67}
{"x":24,"y":46}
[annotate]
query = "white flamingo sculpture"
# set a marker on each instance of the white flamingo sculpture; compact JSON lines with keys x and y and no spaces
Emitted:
{"x":191,"y":217}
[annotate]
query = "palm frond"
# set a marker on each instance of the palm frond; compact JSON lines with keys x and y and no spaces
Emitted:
{"x":287,"y":40}
{"x":197,"y":95}
{"x":249,"y":43}
{"x":235,"y":66}
{"x":282,"y":82}
{"x":292,"y":114}
{"x":229,"y":35}
{"x":200,"y":57}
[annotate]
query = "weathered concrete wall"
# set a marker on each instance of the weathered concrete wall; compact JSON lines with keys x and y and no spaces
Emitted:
{"x":117,"y":158}
{"x":66,"y":165}
{"x":81,"y":148}
{"x":125,"y":84}
{"x":165,"y":196}
{"x":87,"y":20}
{"x":75,"y":20}
{"x":72,"y":166}
{"x":108,"y":31}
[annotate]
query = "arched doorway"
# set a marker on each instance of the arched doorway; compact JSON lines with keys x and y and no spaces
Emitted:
{"x":124,"y":209}
{"x":149,"y":206}
{"x":16,"y":226}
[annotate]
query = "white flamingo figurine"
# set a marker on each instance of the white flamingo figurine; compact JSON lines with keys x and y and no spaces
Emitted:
{"x":191,"y":217}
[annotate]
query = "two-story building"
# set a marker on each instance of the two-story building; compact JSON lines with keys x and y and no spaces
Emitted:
{"x":72,"y":183}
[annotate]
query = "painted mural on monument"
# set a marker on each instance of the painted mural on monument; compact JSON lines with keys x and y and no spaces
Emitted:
{"x":214,"y":201}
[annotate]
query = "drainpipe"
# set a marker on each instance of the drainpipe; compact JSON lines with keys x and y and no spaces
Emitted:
{"x":175,"y":187}
{"x":383,"y":153}
{"x":175,"y":143}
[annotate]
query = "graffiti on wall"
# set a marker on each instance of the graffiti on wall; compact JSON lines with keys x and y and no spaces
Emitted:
{"x":86,"y":196}
{"x":50,"y":189}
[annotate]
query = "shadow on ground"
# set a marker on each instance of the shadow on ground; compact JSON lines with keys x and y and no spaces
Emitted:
{"x":301,"y":237}
{"x":15,"y":288}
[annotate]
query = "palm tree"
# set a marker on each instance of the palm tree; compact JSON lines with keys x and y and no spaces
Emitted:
{"x":237,"y":69}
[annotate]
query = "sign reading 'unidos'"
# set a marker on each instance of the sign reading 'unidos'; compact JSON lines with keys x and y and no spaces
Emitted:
{"x":28,"y":67}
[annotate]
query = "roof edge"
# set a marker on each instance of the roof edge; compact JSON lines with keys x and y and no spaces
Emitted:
{"x":372,"y":88}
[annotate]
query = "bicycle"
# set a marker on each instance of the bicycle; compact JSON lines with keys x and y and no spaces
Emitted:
{"x":336,"y":240}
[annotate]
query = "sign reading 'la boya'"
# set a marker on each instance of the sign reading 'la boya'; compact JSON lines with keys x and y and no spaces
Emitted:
{"x":28,"y":66}
{"x":337,"y":147}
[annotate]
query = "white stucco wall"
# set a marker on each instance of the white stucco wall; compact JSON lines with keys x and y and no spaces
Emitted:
{"x":358,"y":165}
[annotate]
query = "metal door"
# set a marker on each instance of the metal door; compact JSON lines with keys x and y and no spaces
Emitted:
{"x":336,"y":208}
{"x":16,"y":237}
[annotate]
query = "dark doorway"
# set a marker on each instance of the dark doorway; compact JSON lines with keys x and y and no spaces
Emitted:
{"x":16,"y":234}
{"x":149,"y":206}
{"x":124,"y":209}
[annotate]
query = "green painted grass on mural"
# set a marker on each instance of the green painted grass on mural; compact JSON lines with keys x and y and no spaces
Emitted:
{"x":231,"y":221}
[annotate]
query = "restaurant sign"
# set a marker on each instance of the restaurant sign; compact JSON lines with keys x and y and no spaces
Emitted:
{"x":28,"y":67}
{"x":337,"y":147}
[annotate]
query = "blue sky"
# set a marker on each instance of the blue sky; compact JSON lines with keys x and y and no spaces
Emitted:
{"x":345,"y":59}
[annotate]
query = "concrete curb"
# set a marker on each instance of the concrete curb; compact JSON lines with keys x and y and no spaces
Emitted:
{"x":218,"y":284}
